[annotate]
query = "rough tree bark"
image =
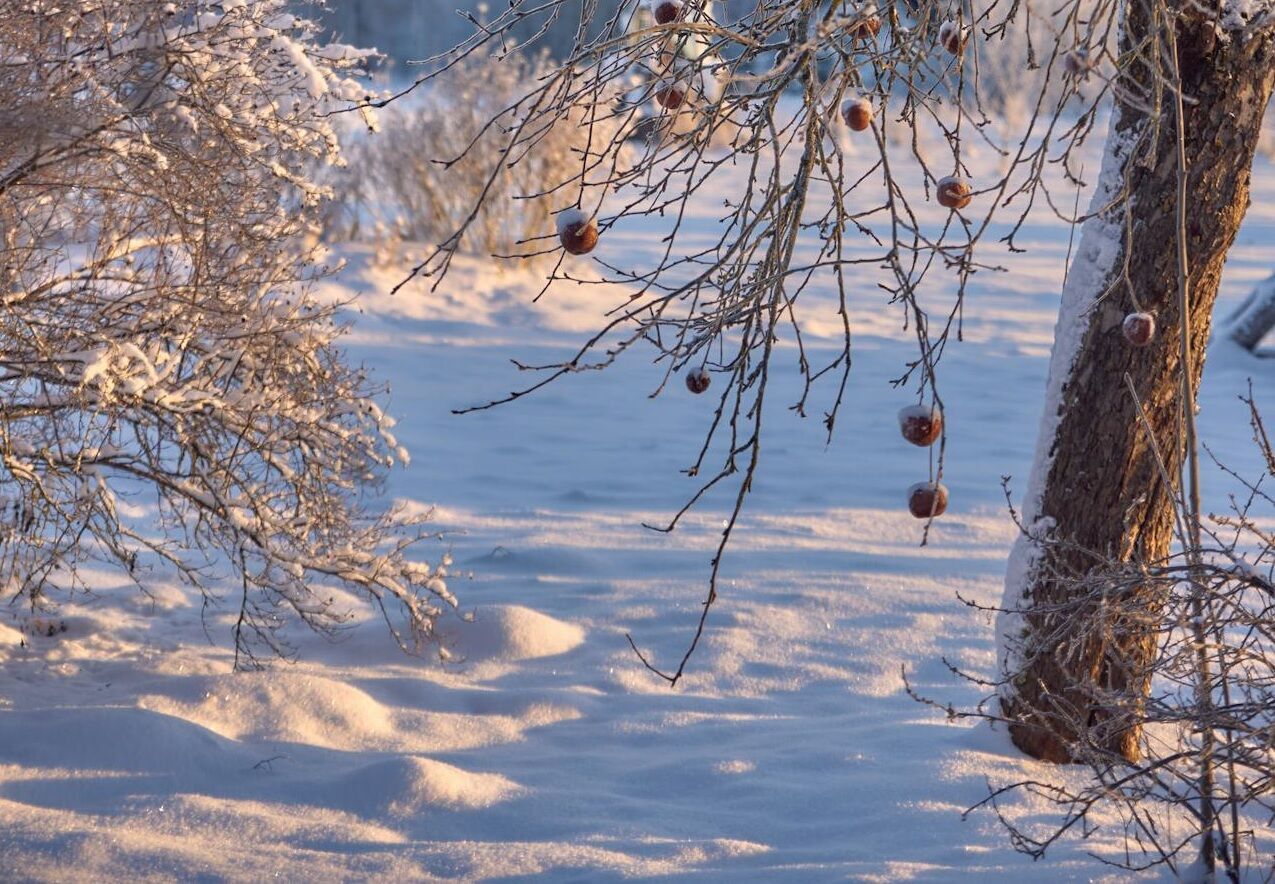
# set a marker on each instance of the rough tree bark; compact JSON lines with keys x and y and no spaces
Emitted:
{"x":1096,"y":491}
{"x":1255,"y":317}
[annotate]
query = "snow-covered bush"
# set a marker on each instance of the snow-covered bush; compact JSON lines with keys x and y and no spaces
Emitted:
{"x":158,"y":344}
{"x":439,"y":155}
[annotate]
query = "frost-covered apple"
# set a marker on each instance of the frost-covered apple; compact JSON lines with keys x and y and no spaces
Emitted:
{"x":857,"y":112}
{"x":670,"y":95}
{"x":926,"y":499}
{"x":667,"y":11}
{"x":921,"y":424}
{"x":868,"y":23}
{"x":954,"y":192}
{"x":697,"y":380}
{"x":1138,"y":329}
{"x":577,"y":231}
{"x":952,"y":37}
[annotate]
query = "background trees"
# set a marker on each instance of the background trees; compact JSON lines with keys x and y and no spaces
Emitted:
{"x":158,"y":344}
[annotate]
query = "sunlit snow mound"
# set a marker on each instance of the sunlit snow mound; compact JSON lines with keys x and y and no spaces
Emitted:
{"x":280,"y":705}
{"x":405,"y":786}
{"x":512,"y":632}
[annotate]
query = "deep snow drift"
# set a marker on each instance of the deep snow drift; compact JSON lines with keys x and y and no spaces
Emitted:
{"x":129,"y":751}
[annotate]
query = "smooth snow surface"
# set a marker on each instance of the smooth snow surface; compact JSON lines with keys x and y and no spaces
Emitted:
{"x":129,"y":751}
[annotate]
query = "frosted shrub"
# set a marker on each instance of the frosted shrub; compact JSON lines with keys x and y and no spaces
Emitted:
{"x":158,"y":343}
{"x":439,"y":155}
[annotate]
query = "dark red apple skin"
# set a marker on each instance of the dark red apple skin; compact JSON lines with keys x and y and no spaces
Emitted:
{"x":580,"y":238}
{"x":927,"y":499}
{"x":697,"y":380}
{"x":1138,"y":329}
{"x":922,"y":430}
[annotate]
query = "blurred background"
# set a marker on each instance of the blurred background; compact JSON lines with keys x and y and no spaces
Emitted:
{"x":413,"y":30}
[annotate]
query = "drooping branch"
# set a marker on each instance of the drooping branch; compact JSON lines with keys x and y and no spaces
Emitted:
{"x":847,"y":130}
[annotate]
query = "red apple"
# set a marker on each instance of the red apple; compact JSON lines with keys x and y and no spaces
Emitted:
{"x":697,"y":380}
{"x":921,"y":424}
{"x":926,"y":499}
{"x":954,"y":192}
{"x":1138,"y":329}
{"x":670,"y":96}
{"x":857,"y":112}
{"x":667,"y":11}
{"x":577,"y":232}
{"x":867,"y":25}
{"x":952,"y":37}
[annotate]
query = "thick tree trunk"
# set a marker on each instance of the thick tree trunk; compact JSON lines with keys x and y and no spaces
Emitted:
{"x":1096,"y":491}
{"x":1255,"y":317}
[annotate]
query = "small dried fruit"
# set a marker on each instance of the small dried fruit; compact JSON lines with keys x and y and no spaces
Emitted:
{"x":954,"y":192}
{"x":857,"y":112}
{"x":921,"y":424}
{"x":952,"y":37}
{"x":927,"y":499}
{"x":670,"y":96}
{"x":697,"y":380}
{"x":867,"y":25}
{"x":668,"y":11}
{"x":1139,"y":329}
{"x":577,"y":232}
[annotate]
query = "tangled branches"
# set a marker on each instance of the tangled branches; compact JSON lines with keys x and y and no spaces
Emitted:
{"x":818,"y":202}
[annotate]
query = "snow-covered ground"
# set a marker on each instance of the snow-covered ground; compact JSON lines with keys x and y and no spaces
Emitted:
{"x":129,"y":751}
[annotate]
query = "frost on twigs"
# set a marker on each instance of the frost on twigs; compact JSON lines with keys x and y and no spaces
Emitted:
{"x":160,"y":351}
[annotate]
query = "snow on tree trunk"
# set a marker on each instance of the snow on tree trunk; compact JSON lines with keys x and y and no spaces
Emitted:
{"x":1255,"y":317}
{"x":1095,"y":493}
